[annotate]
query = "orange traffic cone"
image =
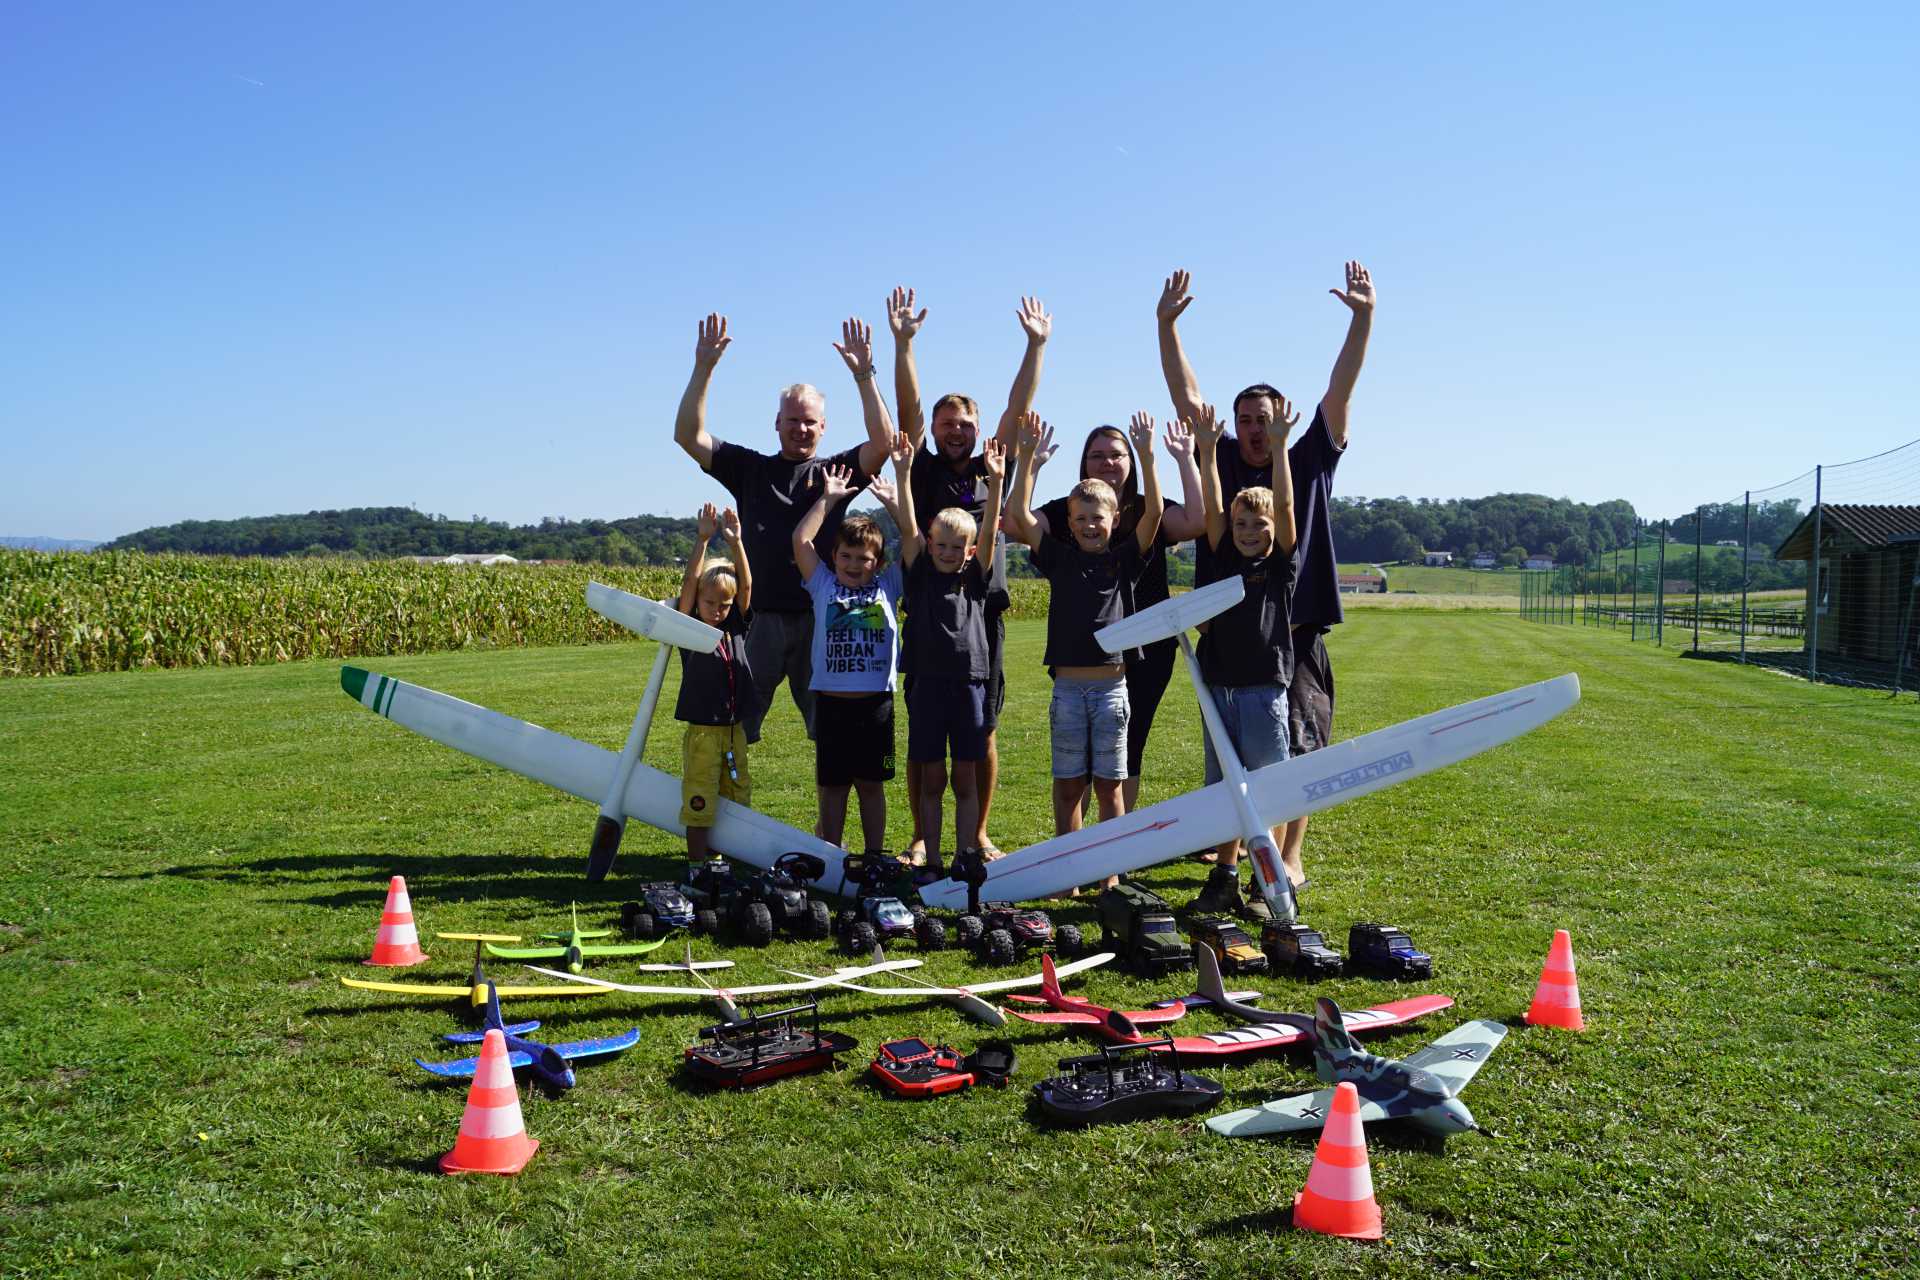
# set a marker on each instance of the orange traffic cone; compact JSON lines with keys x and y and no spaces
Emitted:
{"x":492,"y":1138}
{"x":1556,"y":1001}
{"x":396,"y":944}
{"x":1338,"y":1199}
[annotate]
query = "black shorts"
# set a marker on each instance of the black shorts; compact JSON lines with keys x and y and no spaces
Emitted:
{"x":946,"y":717}
{"x":996,"y":670}
{"x":1310,"y":696}
{"x":1146,"y":685}
{"x":852,"y":738}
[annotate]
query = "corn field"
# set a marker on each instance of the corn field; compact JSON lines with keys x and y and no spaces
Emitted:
{"x":76,"y":613}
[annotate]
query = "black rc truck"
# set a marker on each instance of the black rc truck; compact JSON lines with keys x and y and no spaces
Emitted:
{"x":760,"y":902}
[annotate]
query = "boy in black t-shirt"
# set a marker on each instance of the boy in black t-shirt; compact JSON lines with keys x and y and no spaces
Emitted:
{"x":1090,"y":580}
{"x":946,"y":647}
{"x":1246,"y":653}
{"x":716,"y":689}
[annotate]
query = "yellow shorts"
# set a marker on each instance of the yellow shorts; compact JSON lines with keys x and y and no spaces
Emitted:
{"x":704,"y":775}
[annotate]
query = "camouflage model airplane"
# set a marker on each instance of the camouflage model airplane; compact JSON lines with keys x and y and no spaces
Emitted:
{"x":1421,"y":1088}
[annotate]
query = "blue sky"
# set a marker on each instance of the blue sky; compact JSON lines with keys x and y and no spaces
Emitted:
{"x":278,"y":258}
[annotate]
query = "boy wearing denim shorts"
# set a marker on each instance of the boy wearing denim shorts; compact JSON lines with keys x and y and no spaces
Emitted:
{"x":716,"y":689}
{"x":1246,"y":653}
{"x":1090,"y":581}
{"x":856,"y":649}
{"x":948,"y":652}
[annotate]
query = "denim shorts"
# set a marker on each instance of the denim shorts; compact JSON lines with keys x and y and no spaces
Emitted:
{"x":1256,"y":719}
{"x":1089,"y":723}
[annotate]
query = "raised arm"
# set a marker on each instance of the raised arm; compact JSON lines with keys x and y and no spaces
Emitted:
{"x":1147,"y":531}
{"x":906,"y":378}
{"x":904,"y":515}
{"x":994,"y":459}
{"x":837,"y":483}
{"x":737,"y":548}
{"x":690,"y":423}
{"x":1359,"y":298}
{"x":1188,"y":521}
{"x":1038,"y":326}
{"x":1207,"y":430}
{"x":1021,"y":524}
{"x":856,"y":348}
{"x":704,"y":524}
{"x":1285,"y":419}
{"x":1181,"y":383}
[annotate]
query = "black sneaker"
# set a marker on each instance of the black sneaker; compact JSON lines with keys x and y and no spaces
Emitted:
{"x":1221,"y":892}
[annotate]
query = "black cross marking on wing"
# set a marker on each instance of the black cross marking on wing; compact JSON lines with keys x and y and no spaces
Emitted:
{"x":1312,"y":1113}
{"x":1465,"y":1055}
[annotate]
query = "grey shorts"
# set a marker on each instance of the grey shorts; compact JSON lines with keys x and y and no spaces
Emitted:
{"x":1088,"y":719}
{"x":1255,"y":716}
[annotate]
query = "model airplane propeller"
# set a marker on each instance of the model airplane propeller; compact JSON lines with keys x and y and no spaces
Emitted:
{"x":551,"y":1064}
{"x":475,"y":992}
{"x":573,"y":947}
{"x":625,"y":787}
{"x":1422,"y":1088}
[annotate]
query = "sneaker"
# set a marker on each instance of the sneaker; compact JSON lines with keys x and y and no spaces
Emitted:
{"x":1255,"y":908}
{"x":1221,"y":892}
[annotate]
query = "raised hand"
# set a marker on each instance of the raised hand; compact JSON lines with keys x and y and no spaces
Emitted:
{"x":856,"y":347}
{"x":730,"y":524}
{"x":1035,"y":320}
{"x":1179,"y":440}
{"x":706,"y":523}
{"x":838,"y":482}
{"x":900,"y":317}
{"x":1359,"y":291}
{"x":712,"y":342}
{"x":1046,"y":448}
{"x":1174,"y":297}
{"x":902,"y":451}
{"x":1141,"y":432}
{"x":1206,"y":428}
{"x":882,"y":488}
{"x":994,"y":459}
{"x":1032,"y":433}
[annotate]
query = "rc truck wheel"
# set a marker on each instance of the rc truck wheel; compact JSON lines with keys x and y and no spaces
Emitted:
{"x":706,"y":920}
{"x":820,"y":920}
{"x":1067,"y":940}
{"x":756,"y":924}
{"x":628,"y":910}
{"x":931,"y":934}
{"x":861,"y":939}
{"x":999,"y":948}
{"x":642,"y":925}
{"x":967,"y":931}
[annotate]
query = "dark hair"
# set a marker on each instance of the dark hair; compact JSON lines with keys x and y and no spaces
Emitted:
{"x":1257,"y":389}
{"x":862,"y":531}
{"x":1129,"y":494}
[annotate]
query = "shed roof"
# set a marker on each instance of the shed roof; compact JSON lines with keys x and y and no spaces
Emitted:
{"x":1848,"y":527}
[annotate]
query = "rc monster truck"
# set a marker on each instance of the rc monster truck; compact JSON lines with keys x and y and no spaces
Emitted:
{"x":1383,"y":951}
{"x":761,"y":902}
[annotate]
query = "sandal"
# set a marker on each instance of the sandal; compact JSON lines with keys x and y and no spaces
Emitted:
{"x":990,"y":852}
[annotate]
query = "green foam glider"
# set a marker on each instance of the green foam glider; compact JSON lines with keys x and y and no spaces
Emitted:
{"x":573,"y":947}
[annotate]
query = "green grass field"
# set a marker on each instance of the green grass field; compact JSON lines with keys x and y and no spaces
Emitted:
{"x":1437,"y":581}
{"x":191,"y":857}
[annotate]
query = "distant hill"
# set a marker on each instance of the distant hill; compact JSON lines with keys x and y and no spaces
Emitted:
{"x":48,"y":544}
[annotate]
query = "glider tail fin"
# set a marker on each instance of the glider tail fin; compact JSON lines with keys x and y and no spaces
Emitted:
{"x":1049,"y":980}
{"x":1331,"y":1043}
{"x":1211,"y":985}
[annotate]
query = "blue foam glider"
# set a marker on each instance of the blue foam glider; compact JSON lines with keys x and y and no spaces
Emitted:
{"x":551,"y":1063}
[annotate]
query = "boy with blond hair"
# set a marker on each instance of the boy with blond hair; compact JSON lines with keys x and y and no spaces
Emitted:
{"x":716,"y":689}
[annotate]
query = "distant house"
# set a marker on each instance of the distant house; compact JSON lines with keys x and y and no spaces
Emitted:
{"x":1362,"y":583}
{"x":1438,"y":559}
{"x":1539,"y":562}
{"x":1869,"y":574}
{"x":1484,"y":560}
{"x":1727,"y":542}
{"x":493,"y":557}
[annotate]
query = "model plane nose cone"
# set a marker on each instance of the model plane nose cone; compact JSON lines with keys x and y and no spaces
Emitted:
{"x":1449,"y":1117}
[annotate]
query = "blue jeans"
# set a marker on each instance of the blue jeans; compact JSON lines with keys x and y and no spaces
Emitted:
{"x":1255,"y":716}
{"x":1088,"y":719}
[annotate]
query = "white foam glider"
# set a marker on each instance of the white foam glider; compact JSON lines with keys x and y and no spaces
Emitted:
{"x":727,"y":997}
{"x":967,"y":999}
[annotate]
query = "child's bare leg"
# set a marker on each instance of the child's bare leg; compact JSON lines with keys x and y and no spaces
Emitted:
{"x":873,"y":812}
{"x":933,"y":799}
{"x":1290,"y":850}
{"x":966,"y":799}
{"x":833,"y":811}
{"x":987,"y":778}
{"x":1130,"y":791}
{"x":916,"y":788}
{"x":1110,"y":794}
{"x":1228,"y":853}
{"x":1068,"y":793}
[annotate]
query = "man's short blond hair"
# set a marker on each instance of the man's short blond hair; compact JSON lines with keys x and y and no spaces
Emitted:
{"x":956,"y":520}
{"x":800,"y":391}
{"x":1098,"y":492}
{"x":1258,"y":500}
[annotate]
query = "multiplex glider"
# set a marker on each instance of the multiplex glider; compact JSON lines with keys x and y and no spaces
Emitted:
{"x":475,"y":992}
{"x":551,"y":1064}
{"x":726,"y":997}
{"x":1199,"y":819}
{"x":967,"y":999}
{"x":573,"y":947}
{"x":1421,"y":1089}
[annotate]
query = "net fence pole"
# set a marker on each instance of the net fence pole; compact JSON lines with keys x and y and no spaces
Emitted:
{"x":1699,"y":514}
{"x":1813,"y":592}
{"x":1634,"y":634}
{"x":1660,"y":592}
{"x":1746,"y":564}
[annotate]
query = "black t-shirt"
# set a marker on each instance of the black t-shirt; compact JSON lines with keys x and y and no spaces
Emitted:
{"x":946,"y":631}
{"x":938,"y":484}
{"x":772,"y":494}
{"x":1088,"y":591}
{"x":1312,"y":459}
{"x":717,"y":687}
{"x":1251,"y":643}
{"x":1151,"y":587}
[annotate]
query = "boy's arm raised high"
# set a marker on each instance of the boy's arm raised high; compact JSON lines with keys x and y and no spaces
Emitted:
{"x":704,"y":524}
{"x":837,"y":483}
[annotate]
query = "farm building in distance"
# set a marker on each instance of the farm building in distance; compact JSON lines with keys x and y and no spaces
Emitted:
{"x":492,"y":557}
{"x":1539,"y":562}
{"x":1358,"y":583}
{"x":1438,"y":559}
{"x":1485,"y":560}
{"x":1869,"y":573}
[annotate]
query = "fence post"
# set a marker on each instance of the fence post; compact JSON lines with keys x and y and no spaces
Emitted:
{"x":1635,"y":615}
{"x":1746,"y":564}
{"x":1696,"y":577}
{"x":1813,"y":593}
{"x":1660,"y":592}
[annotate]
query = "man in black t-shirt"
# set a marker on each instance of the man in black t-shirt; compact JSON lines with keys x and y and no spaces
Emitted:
{"x":1244,"y":461}
{"x":948,"y":473}
{"x":772,"y":492}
